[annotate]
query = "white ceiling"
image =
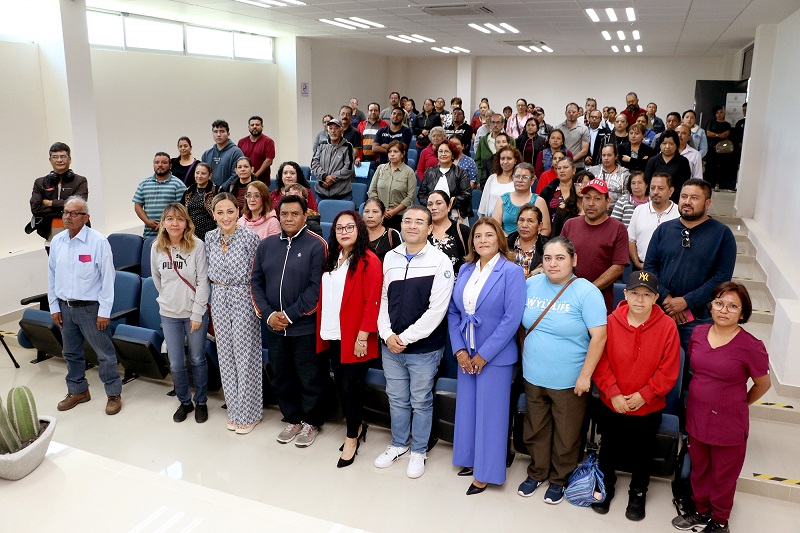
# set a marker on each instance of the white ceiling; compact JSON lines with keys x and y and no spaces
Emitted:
{"x":668,"y":27}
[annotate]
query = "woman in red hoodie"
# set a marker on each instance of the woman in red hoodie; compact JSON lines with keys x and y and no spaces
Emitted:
{"x":639,"y":366}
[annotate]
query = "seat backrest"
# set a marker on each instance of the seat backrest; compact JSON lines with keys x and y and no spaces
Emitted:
{"x":328,"y":209}
{"x":412,"y":162}
{"x":145,"y":271}
{"x":127,"y":291}
{"x":326,"y":230}
{"x":476,"y":199}
{"x":619,"y":293}
{"x":673,"y":396}
{"x":149,"y":316}
{"x":126,"y":249}
{"x":359,"y":193}
{"x":306,"y":171}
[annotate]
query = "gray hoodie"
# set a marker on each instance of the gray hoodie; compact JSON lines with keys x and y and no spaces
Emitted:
{"x":175,"y":298}
{"x":335,"y":160}
{"x":223,"y":163}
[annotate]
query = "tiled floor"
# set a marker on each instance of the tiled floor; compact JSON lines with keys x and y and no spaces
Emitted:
{"x":307,"y":481}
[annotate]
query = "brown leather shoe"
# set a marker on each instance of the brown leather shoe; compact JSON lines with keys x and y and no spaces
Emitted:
{"x":114,"y":405}
{"x":71,"y":400}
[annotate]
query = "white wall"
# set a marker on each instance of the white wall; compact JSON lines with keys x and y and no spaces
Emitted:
{"x":431,"y":78}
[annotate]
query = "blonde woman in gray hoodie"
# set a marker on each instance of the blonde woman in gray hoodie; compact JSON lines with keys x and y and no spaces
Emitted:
{"x":180,"y":275}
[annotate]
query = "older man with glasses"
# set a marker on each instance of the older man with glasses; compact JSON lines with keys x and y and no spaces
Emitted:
{"x":487,"y":147}
{"x":80,"y":290}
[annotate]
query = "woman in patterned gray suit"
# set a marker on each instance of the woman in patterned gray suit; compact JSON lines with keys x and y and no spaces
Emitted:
{"x":230,"y":249}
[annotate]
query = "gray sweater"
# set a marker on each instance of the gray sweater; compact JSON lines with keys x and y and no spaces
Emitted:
{"x":175,"y":298}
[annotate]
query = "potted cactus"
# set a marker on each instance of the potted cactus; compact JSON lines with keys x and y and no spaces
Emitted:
{"x":24,"y":435}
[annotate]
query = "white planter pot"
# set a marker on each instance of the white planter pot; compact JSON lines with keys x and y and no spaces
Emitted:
{"x":14,"y":466}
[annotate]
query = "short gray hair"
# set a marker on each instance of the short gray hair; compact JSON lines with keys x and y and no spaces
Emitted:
{"x":81,"y":200}
{"x":437,"y":128}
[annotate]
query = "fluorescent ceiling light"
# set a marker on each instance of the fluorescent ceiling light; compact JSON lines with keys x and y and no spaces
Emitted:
{"x":524,"y":48}
{"x":606,"y":35}
{"x":412,"y":39}
{"x":334,"y":23}
{"x":442,"y":50}
{"x":615,"y":49}
{"x":631,"y":14}
{"x":479,"y":28}
{"x":621,"y":35}
{"x":509,"y":27}
{"x":427,"y":39}
{"x":461,"y":49}
{"x":362,"y":21}
{"x":626,"y":48}
{"x":535,"y":49}
{"x":494,"y":28}
{"x":397,"y":39}
{"x":639,"y":48}
{"x":635,"y":35}
{"x":450,"y":49}
{"x":295,"y":2}
{"x":356,"y":24}
{"x":593,"y":15}
{"x":547,"y":48}
{"x":612,"y":16}
{"x":252,"y":3}
{"x":274,"y":3}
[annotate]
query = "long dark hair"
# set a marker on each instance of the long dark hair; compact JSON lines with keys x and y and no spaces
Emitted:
{"x":302,"y":179}
{"x":360,"y":247}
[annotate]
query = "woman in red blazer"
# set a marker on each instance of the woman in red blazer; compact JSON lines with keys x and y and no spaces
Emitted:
{"x":347,"y":320}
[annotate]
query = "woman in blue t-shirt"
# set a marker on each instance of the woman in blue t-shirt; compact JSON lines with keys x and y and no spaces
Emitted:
{"x":558,"y":359}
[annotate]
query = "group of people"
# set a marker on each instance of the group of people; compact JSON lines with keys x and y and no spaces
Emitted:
{"x":529,"y":285}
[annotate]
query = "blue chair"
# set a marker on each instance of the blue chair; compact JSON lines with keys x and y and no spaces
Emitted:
{"x":619,"y":293}
{"x":412,"y":153}
{"x":359,"y":193}
{"x":412,"y":162}
{"x":476,"y":199}
{"x":328,"y":209}
{"x":145,"y":271}
{"x":127,"y":251}
{"x":326,"y":230}
{"x":306,"y":172}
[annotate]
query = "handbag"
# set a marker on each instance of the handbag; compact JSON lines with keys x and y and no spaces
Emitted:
{"x":724,"y":147}
{"x":208,"y":305}
{"x":585,"y":485}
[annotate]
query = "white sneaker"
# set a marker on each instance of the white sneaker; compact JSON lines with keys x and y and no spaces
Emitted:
{"x":388,"y":457}
{"x":416,"y":465}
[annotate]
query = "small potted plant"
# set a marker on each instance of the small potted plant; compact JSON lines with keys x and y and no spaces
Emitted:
{"x":24,"y":435}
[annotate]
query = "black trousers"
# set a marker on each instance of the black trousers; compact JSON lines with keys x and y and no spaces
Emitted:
{"x":630,"y":440}
{"x":300,"y":377}
{"x":349,"y":379}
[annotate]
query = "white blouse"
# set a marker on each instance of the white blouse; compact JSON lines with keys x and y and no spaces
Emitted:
{"x":492,"y":191}
{"x":332,"y":294}
{"x":472,"y":290}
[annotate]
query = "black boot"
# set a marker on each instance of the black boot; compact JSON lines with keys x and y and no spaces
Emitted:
{"x":636,"y":501}
{"x":602,"y":507}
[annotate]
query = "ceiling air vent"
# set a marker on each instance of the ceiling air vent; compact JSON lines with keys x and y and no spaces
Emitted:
{"x":456,"y":10}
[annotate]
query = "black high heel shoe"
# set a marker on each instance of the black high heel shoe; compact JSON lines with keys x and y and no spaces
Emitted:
{"x":361,"y":437}
{"x":474,"y":489}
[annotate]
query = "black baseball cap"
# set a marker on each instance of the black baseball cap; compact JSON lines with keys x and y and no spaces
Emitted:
{"x":643,"y":278}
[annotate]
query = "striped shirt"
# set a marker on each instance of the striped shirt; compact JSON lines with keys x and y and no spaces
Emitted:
{"x":154,"y":196}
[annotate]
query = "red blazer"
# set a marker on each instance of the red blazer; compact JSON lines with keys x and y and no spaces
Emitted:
{"x":359,"y":312}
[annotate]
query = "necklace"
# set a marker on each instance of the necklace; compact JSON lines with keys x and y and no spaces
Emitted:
{"x":226,"y":240}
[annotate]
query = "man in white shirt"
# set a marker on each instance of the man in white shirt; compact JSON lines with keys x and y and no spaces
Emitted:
{"x":647,"y":217}
{"x":694,"y":157}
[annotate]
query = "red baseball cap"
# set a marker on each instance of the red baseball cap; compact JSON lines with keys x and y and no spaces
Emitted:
{"x":598,"y":185}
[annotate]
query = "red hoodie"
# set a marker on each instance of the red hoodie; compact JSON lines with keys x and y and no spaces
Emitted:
{"x":644,"y":359}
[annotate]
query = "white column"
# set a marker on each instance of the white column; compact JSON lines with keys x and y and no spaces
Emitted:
{"x":465,"y":85}
{"x":293,"y":57}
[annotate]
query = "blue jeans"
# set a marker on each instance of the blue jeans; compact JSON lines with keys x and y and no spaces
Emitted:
{"x":80,"y":323}
{"x":176,"y":331}
{"x":409,"y":385}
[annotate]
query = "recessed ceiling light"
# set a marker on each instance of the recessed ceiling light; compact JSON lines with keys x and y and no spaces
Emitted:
{"x":398,"y":39}
{"x":364,"y":21}
{"x":639,"y":48}
{"x":631,"y":14}
{"x":442,"y":50}
{"x":461,"y":49}
{"x":615,"y":49}
{"x":341,"y":25}
{"x":479,"y":28}
{"x":412,"y":39}
{"x":509,"y":27}
{"x":612,"y":16}
{"x":428,"y":39}
{"x":252,"y":3}
{"x":547,"y":48}
{"x":524,"y":48}
{"x":635,"y":35}
{"x":593,"y":15}
{"x":621,"y":35}
{"x":295,"y":2}
{"x":450,"y":49}
{"x":626,"y":48}
{"x":494,"y":28}
{"x":353,"y":23}
{"x":536,"y":49}
{"x":606,"y":35}
{"x":274,"y":3}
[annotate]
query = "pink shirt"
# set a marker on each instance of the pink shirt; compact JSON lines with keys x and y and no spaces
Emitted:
{"x":263,"y":226}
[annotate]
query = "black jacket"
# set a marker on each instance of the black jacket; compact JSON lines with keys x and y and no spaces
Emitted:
{"x":457,"y":181}
{"x":603,"y":138}
{"x":46,"y":188}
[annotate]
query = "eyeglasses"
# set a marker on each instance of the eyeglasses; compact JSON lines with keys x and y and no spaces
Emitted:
{"x":253,"y":195}
{"x":521,"y":177}
{"x":62,"y":157}
{"x":686,"y":243}
{"x":411,"y":222}
{"x":719,"y":305}
{"x":70,"y":214}
{"x":346,"y":229}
